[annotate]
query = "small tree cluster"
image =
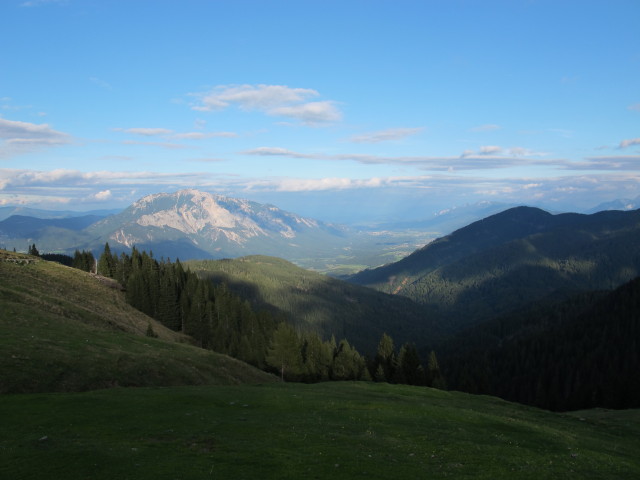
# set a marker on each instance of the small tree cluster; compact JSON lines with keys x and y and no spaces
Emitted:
{"x":83,"y":261}
{"x":404,"y":366}
{"x":58,"y":258}
{"x":305,"y":357}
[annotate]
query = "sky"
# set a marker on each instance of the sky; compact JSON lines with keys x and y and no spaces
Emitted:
{"x":343,"y":110}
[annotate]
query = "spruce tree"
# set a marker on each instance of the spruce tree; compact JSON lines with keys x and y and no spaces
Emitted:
{"x":107,"y":263}
{"x":435,"y":378}
{"x":386,"y":358}
{"x":409,"y":367}
{"x":284,"y":353}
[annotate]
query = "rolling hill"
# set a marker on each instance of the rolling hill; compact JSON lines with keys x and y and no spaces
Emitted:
{"x":62,"y":329}
{"x":513,"y":258}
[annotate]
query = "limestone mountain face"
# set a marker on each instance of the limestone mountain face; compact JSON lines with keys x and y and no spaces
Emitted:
{"x":215,"y":224}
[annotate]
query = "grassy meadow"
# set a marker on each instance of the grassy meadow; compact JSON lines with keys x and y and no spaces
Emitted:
{"x":329,"y":430}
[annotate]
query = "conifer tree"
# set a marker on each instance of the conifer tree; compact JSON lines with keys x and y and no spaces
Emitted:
{"x":83,"y":261}
{"x":107,"y":262}
{"x":435,"y":378}
{"x":386,"y":358}
{"x":409,"y":369}
{"x":317,"y":357}
{"x":284,"y":353}
{"x":33,"y":250}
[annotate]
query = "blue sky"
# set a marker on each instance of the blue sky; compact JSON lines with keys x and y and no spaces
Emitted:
{"x":342,"y":110}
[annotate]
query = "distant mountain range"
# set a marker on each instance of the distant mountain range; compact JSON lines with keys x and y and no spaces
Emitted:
{"x":512,"y":258}
{"x":187,"y":224}
{"x":6,"y":212}
{"x":619,"y":204}
{"x":214,"y":226}
{"x":191,"y":224}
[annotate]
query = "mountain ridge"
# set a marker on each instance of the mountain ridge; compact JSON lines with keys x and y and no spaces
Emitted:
{"x":518,"y":255}
{"x":191,"y":224}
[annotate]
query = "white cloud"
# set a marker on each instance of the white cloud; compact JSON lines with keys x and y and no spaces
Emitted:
{"x":274,"y":100}
{"x":629,"y":143}
{"x":498,"y":152}
{"x":120,"y":189}
{"x":525,"y":152}
{"x":253,"y":97}
{"x":312,"y":113}
{"x":168,"y":145}
{"x":635,"y":107}
{"x":167,"y":133}
{"x":22,"y":137}
{"x":490,"y":150}
{"x":10,"y":130}
{"x":145,"y":131}
{"x":611,"y":162}
{"x":322,"y":184}
{"x":486,"y":128}
{"x":203,"y":135}
{"x":386,"y":135}
{"x":486,"y":158}
{"x":276,"y":151}
{"x":103,"y":196}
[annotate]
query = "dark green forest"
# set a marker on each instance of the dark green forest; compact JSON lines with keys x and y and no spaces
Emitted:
{"x":561,"y":355}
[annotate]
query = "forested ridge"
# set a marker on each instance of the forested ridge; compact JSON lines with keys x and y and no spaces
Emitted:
{"x":505,"y":261}
{"x":563,"y":355}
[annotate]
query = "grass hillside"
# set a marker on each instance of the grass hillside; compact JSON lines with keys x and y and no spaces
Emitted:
{"x":292,"y":431}
{"x":316,"y":302}
{"x":62,"y":329}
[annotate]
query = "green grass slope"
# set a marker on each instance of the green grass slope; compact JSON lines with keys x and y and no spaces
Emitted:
{"x":316,"y":302}
{"x":293,"y":431}
{"x":62,"y":329}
